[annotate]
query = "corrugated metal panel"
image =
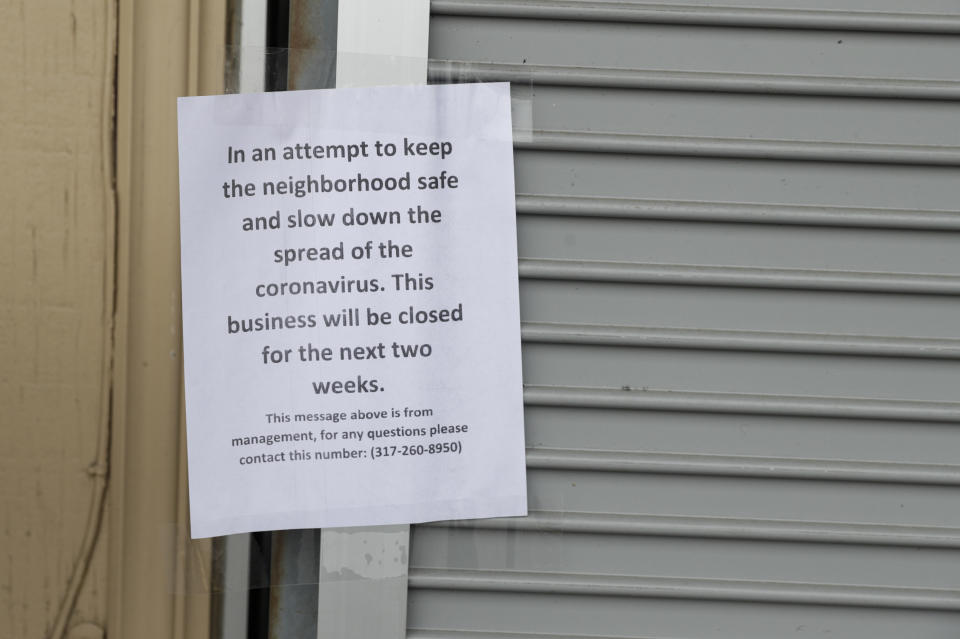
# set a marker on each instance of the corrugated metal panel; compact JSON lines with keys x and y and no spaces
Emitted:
{"x":739,"y":276}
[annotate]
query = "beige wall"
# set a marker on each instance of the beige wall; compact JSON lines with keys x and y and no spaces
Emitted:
{"x":56,"y":290}
{"x":90,"y":369}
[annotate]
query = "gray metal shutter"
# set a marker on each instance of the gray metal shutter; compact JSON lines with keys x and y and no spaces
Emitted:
{"x":740,"y":263}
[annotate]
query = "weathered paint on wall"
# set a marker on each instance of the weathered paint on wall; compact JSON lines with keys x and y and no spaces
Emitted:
{"x":56,"y":309}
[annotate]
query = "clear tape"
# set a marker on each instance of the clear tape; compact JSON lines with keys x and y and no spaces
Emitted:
{"x":521,"y":91}
{"x":293,"y":69}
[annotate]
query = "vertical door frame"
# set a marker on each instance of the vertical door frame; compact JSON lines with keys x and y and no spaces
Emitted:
{"x":159,"y":581}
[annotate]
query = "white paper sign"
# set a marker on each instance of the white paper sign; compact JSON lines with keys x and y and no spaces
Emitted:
{"x":350,"y":308}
